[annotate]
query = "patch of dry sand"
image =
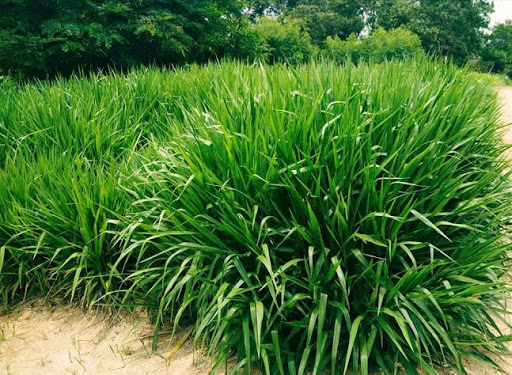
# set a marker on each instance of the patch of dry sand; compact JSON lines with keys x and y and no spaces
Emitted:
{"x":505,"y":98}
{"x":38,"y":339}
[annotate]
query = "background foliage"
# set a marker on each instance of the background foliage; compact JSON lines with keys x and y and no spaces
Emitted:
{"x":381,"y":45}
{"x":446,"y":27}
{"x":497,"y":55}
{"x":284,"y":41}
{"x":45,"y":37}
{"x":48,"y":36}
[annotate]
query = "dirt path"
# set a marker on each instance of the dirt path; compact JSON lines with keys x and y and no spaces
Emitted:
{"x":505,"y":97}
{"x":38,"y":339}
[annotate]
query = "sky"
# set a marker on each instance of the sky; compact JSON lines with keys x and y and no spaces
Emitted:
{"x":502,"y":11}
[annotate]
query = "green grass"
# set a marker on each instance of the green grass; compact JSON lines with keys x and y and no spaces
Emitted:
{"x":493,"y":79}
{"x":321,"y":218}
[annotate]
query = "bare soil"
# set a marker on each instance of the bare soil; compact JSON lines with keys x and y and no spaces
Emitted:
{"x":505,"y":97}
{"x":39,"y":339}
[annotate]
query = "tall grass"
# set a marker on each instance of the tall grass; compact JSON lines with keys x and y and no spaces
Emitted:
{"x":321,"y":218}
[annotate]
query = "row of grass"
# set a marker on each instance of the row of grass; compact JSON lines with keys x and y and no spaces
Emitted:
{"x":321,"y":218}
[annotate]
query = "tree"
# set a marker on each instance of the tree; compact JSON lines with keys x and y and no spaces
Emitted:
{"x":320,"y":18}
{"x":446,"y":27}
{"x":39,"y":37}
{"x":284,"y":41}
{"x":324,"y":18}
{"x":381,"y":45}
{"x":390,"y":14}
{"x":257,"y":8}
{"x":497,"y":54}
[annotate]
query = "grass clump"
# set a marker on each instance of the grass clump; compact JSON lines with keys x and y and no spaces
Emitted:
{"x":321,"y":218}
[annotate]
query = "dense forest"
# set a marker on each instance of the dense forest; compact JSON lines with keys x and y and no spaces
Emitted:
{"x":45,"y":37}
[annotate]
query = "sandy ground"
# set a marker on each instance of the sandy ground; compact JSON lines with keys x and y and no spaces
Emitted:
{"x":39,"y":339}
{"x":505,"y":97}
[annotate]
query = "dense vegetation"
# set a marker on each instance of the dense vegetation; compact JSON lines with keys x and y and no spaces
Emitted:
{"x":382,"y":45}
{"x":445,"y":27}
{"x":306,"y":219}
{"x":497,"y":55}
{"x":48,"y":37}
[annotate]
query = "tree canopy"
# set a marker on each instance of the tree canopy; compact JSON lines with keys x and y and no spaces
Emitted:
{"x":328,"y":18}
{"x":446,"y":27}
{"x":44,"y":37}
{"x":497,"y":54}
{"x":50,"y":35}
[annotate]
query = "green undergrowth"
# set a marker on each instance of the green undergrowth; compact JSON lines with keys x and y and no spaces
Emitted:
{"x":493,"y":79}
{"x":320,"y":218}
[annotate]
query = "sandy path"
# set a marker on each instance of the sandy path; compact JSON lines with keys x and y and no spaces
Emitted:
{"x":38,"y":339}
{"x":505,"y":97}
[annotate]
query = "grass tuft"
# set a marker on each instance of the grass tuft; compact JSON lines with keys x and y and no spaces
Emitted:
{"x":321,"y":218}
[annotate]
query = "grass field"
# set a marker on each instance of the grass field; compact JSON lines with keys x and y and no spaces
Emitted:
{"x":321,"y":218}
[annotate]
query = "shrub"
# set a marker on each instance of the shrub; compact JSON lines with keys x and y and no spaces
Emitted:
{"x":308,"y":219}
{"x":379,"y":46}
{"x":249,"y":45}
{"x":285,"y":42}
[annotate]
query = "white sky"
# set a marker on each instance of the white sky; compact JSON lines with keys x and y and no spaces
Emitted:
{"x":502,"y":11}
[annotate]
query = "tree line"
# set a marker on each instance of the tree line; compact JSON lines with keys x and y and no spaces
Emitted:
{"x":45,"y":37}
